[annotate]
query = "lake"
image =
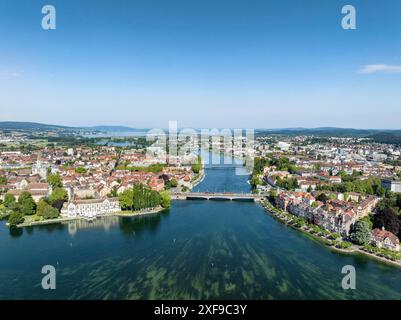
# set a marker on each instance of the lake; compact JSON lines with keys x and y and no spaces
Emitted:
{"x":195,"y":250}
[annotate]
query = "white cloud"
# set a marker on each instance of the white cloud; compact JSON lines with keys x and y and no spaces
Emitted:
{"x":380,"y":68}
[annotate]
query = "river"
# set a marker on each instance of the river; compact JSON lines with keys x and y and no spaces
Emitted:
{"x":195,"y":250}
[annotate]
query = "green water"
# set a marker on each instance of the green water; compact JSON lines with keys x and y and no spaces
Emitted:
{"x":197,"y":249}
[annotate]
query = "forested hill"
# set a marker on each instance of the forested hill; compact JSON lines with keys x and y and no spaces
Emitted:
{"x":14,"y":125}
{"x":33,"y":126}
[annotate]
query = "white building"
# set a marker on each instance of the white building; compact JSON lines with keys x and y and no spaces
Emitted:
{"x":90,"y":208}
{"x":40,"y":169}
{"x":70,"y":152}
{"x":284,"y":145}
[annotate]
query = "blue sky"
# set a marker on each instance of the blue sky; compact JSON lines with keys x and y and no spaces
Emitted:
{"x":220,"y":63}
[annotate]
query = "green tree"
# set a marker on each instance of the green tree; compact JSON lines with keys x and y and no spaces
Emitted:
{"x":273,"y":195}
{"x":113,"y":193}
{"x":387,"y":219}
{"x":165,"y":199}
{"x":144,"y":197}
{"x":255,"y":180}
{"x":398,"y":201}
{"x":361,"y":233}
{"x":41,"y":206}
{"x":173,"y":183}
{"x":197,"y":167}
{"x":15,"y":218}
{"x":369,"y":220}
{"x":381,"y":192}
{"x":126,"y":199}
{"x":322,"y":197}
{"x":80,"y":170}
{"x":140,"y":197}
{"x":54,"y":180}
{"x":9,"y":201}
{"x":58,"y":194}
{"x":50,"y":213}
{"x":3,"y":180}
{"x":26,"y":203}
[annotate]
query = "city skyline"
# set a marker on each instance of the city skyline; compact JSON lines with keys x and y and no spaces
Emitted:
{"x":251,"y":64}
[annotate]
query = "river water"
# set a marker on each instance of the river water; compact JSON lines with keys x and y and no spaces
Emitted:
{"x":196,"y":249}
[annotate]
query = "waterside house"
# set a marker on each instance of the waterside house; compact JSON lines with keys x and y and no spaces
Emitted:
{"x":335,"y":215}
{"x":385,"y":239}
{"x":90,"y":208}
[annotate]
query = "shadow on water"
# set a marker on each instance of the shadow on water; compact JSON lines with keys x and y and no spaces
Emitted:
{"x":130,"y":226}
{"x":16,"y":232}
{"x":50,"y":228}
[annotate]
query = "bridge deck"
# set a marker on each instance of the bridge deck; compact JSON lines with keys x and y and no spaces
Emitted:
{"x":216,"y":195}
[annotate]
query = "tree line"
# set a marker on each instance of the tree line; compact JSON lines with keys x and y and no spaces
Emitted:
{"x":141,"y":197}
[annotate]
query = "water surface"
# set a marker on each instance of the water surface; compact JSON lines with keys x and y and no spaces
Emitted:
{"x":197,"y":249}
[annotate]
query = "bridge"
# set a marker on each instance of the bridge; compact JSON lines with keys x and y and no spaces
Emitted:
{"x":228,"y":196}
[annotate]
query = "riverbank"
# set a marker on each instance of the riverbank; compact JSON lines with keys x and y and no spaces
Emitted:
{"x":199,"y":178}
{"x":333,"y":244}
{"x":137,"y":213}
{"x":114,"y":214}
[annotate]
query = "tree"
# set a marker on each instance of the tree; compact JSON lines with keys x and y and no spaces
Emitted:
{"x":58,"y":204}
{"x":387,"y":219}
{"x":50,"y":213}
{"x":113,"y":193}
{"x":381,"y":192}
{"x":361,"y":233}
{"x":15,"y":218}
{"x":26,"y":203}
{"x":165,"y":199}
{"x":173,"y":183}
{"x":9,"y":201}
{"x":255,"y":180}
{"x":126,"y":199}
{"x":398,"y":200}
{"x":140,"y":197}
{"x":58,"y":194}
{"x":80,"y":170}
{"x":54,"y":180}
{"x":322,"y":197}
{"x":369,"y":220}
{"x":40,"y":208}
{"x":273,"y":195}
{"x":3,"y":180}
{"x":197,"y":167}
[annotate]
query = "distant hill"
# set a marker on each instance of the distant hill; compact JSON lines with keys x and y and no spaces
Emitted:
{"x":328,"y":131}
{"x":33,"y":126}
{"x":377,"y":135}
{"x":14,"y":125}
{"x":115,"y":129}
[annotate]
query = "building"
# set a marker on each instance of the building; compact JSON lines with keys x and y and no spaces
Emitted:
{"x":392,"y":185}
{"x":284,"y":146}
{"x":37,"y":191}
{"x":40,"y":169}
{"x":385,"y":239}
{"x":156,"y":184}
{"x":90,"y":208}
